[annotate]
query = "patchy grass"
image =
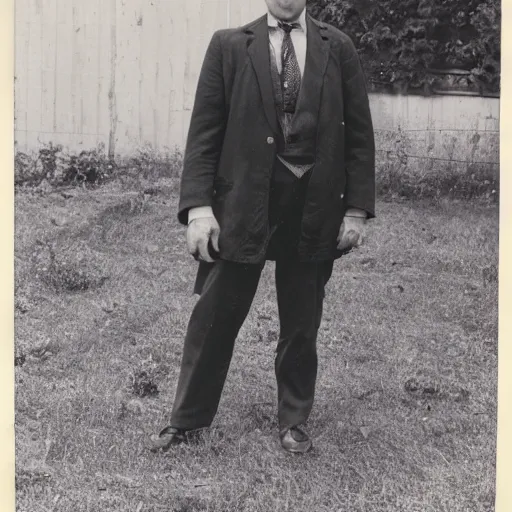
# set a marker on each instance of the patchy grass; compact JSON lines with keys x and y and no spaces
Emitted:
{"x":405,"y":415}
{"x":399,"y":181}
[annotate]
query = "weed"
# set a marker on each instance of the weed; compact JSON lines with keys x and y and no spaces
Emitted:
{"x":71,"y":268}
{"x":143,"y":385}
{"x":33,"y":170}
{"x":19,"y":358}
{"x":152,"y":163}
{"x":21,"y":303}
{"x":88,"y":167}
{"x":189,"y":504}
{"x":53,"y":166}
{"x":395,"y":178}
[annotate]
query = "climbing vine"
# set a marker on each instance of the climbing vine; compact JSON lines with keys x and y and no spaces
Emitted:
{"x":421,"y":45}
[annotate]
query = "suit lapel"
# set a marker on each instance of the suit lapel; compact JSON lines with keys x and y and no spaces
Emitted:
{"x":259,"y":53}
{"x":317,"y":56}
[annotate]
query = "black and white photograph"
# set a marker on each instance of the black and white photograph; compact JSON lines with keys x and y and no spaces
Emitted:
{"x":256,"y":255}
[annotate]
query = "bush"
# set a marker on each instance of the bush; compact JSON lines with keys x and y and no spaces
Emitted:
{"x":89,"y":166}
{"x":56,"y":168}
{"x":33,"y":171}
{"x":404,"y":43}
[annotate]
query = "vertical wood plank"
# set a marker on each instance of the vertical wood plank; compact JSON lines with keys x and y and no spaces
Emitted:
{"x":242,"y":12}
{"x":77,"y":62}
{"x":64,"y":61}
{"x":21,"y":49}
{"x":149,"y":73}
{"x":163,"y":82}
{"x":176,"y":100}
{"x":89,"y":71}
{"x":128,"y":79}
{"x":34,"y":85}
{"x":48,"y":70}
{"x":193,"y":25}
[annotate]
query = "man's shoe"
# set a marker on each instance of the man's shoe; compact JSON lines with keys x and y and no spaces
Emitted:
{"x":168,"y":437}
{"x":295,"y":440}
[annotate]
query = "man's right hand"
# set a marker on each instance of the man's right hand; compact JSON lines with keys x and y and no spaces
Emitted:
{"x":199,"y":232}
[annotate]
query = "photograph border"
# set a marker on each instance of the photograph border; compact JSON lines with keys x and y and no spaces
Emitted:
{"x":7,"y":461}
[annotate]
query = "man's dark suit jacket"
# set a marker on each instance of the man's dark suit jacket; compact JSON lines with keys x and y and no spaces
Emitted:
{"x":231,"y":146}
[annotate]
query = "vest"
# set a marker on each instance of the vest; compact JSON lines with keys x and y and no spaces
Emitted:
{"x":296,"y":141}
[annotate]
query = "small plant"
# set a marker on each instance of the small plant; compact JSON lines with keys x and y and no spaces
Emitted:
{"x":143,"y":385}
{"x":25,"y":170}
{"x":19,"y":358}
{"x":22,"y":303}
{"x":68,"y":278}
{"x":72,"y":269}
{"x":90,"y":167}
{"x":151,"y":163}
{"x":48,"y":157}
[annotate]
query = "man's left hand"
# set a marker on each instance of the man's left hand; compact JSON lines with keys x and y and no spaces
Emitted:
{"x":351,"y":233}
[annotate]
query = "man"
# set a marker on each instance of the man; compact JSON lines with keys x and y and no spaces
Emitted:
{"x":279,"y":165}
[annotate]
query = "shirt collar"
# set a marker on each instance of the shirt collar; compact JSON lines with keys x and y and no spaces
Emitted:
{"x":272,"y":20}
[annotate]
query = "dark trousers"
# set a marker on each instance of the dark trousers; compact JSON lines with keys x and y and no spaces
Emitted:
{"x":226,"y":296}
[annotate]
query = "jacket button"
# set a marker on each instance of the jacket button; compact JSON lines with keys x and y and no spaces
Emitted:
{"x":270,"y":140}
{"x":342,"y":196}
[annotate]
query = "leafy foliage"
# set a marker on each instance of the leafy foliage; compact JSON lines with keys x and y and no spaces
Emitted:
{"x":89,"y":166}
{"x":404,"y":43}
{"x":51,"y":166}
{"x":395,"y":179}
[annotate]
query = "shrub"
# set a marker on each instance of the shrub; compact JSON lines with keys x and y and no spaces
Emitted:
{"x":56,"y":168}
{"x":403,"y":42}
{"x":89,"y":166}
{"x":32,"y":171}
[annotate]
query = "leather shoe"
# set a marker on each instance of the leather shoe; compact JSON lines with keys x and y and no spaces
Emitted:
{"x":295,"y":440}
{"x":169,"y":436}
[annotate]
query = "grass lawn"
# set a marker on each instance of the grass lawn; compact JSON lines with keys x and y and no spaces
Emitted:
{"x":405,"y":411}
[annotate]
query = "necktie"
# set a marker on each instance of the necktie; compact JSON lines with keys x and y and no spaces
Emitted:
{"x":290,"y":73}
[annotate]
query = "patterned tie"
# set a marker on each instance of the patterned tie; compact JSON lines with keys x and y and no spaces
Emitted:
{"x":290,"y":73}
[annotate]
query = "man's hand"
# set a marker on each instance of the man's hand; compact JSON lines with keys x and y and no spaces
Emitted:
{"x":351,"y":233}
{"x":200,"y":231}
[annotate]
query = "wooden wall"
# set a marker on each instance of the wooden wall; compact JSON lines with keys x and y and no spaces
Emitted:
{"x":123,"y":73}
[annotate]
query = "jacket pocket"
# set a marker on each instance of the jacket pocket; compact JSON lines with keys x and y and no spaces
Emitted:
{"x":221,"y":186}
